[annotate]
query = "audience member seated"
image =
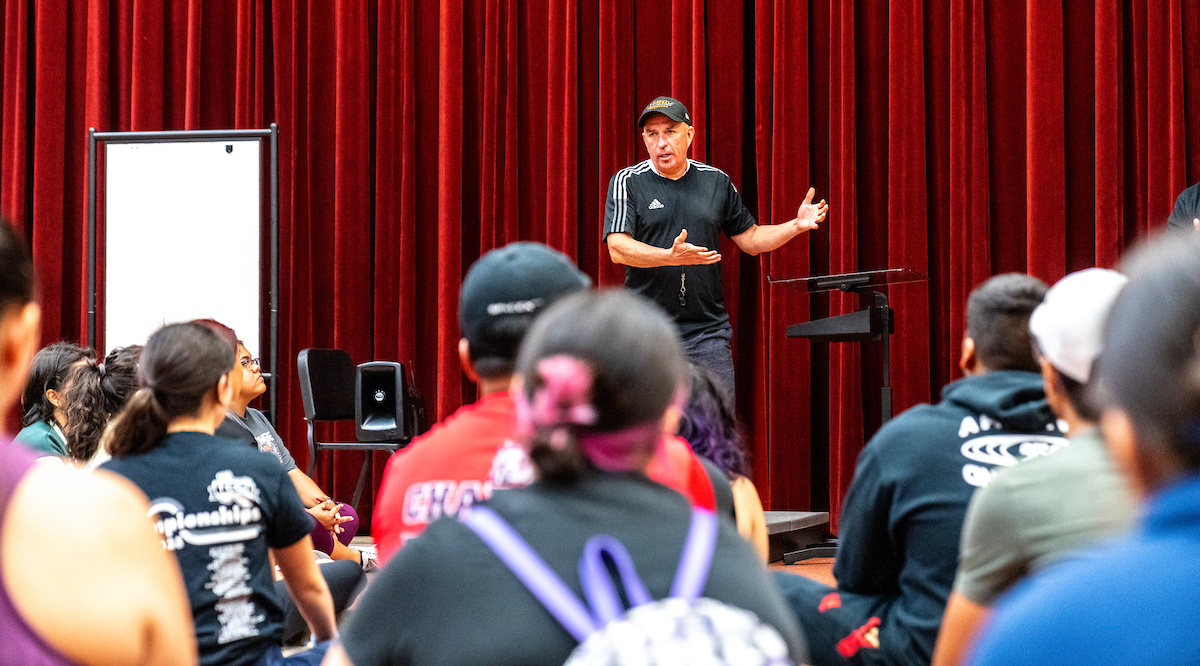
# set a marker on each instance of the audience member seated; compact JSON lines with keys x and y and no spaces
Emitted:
{"x":118,"y":381}
{"x":42,"y":401}
{"x":472,"y":452}
{"x":1034,"y":514}
{"x":604,"y":380}
{"x":220,"y":506}
{"x":1132,"y":601}
{"x":1185,"y":216}
{"x":345,"y":576}
{"x":710,"y":426}
{"x":902,"y":516}
{"x":93,"y":392}
{"x":83,"y":579}
{"x":337,"y":523}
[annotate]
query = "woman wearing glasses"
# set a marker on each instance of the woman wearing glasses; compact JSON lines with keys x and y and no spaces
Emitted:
{"x":337,"y":523}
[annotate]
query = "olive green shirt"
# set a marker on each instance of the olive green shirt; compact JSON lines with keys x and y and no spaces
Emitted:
{"x":1037,"y":512}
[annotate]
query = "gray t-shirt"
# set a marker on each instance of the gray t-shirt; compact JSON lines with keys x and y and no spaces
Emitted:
{"x":1034,"y":513}
{"x":254,"y":428}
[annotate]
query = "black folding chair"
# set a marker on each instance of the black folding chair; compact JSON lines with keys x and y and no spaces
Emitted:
{"x":327,"y":378}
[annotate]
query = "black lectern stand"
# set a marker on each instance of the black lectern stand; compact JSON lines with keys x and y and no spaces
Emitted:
{"x":874,"y":322}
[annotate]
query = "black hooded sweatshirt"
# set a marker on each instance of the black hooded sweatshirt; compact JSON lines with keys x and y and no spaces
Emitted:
{"x":903,"y":515}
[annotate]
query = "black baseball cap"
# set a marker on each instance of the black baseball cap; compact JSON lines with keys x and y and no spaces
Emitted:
{"x":667,"y":106}
{"x":507,"y":287}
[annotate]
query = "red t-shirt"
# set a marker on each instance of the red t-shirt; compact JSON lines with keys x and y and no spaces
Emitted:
{"x":459,"y":461}
{"x":465,"y":457}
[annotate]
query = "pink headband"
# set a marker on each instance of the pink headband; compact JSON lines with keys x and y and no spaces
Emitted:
{"x":564,"y":399}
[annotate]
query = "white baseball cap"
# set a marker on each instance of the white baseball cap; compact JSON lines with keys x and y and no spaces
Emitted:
{"x":1069,"y":323}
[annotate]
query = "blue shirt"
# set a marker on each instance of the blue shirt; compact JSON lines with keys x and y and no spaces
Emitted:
{"x":1132,"y":602}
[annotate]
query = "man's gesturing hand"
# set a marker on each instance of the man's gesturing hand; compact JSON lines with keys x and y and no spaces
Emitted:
{"x":810,"y":214}
{"x":684,"y":253}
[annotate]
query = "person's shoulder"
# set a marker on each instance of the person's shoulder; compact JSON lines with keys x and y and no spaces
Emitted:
{"x":1065,"y":593}
{"x":257,"y":416}
{"x":236,"y":451}
{"x":35,"y":429}
{"x":228,"y":452}
{"x":231,"y":429}
{"x":81,"y":498}
{"x":40,"y":438}
{"x":428,"y":553}
{"x":917,"y":420}
{"x":1190,"y":196}
{"x":486,"y":423}
{"x":708,"y":170}
{"x":632,"y":171}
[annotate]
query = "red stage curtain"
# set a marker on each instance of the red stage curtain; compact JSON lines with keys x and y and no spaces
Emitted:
{"x":958,"y":139}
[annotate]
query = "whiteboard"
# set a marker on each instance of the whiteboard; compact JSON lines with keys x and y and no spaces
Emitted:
{"x":182,"y":237}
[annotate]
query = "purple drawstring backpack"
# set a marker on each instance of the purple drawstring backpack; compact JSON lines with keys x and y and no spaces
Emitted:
{"x":684,"y":628}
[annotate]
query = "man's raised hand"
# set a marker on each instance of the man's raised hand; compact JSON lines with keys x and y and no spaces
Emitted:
{"x":810,"y":215}
{"x":684,"y":253}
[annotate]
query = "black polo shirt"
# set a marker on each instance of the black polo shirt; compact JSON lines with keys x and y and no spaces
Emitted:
{"x":653,"y":209}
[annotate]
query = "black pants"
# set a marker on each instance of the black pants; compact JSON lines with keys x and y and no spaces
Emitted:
{"x":843,"y":627}
{"x":345,"y":579}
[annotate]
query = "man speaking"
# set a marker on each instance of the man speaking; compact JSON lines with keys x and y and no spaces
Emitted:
{"x":663,"y":215}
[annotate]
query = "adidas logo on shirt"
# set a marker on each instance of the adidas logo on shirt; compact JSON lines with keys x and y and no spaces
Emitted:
{"x":656,"y":204}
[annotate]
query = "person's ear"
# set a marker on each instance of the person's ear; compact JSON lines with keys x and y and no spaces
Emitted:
{"x":968,"y":360}
{"x":464,"y":358}
{"x":18,"y":343}
{"x":670,"y":420}
{"x":225,"y":390}
{"x":1121,"y":440}
{"x":53,"y":397}
{"x":516,"y":385}
{"x":691,"y":133}
{"x":1056,"y":393}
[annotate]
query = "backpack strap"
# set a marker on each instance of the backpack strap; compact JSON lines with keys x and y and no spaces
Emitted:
{"x":696,"y":560}
{"x":531,"y":570}
{"x":561,"y":601}
{"x":598,"y":583}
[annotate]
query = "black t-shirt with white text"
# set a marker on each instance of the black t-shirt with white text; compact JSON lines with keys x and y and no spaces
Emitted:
{"x":219,"y":506}
{"x":653,"y":209}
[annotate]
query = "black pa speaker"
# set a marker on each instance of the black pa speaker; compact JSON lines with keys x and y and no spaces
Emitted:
{"x":380,"y":390}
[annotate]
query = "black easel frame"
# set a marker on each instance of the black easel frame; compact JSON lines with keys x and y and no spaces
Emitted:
{"x":272,"y":133}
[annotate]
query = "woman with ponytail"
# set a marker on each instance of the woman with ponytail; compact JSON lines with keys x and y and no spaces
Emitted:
{"x":93,"y":394}
{"x":96,"y":392}
{"x":601,"y":380}
{"x":220,"y":507}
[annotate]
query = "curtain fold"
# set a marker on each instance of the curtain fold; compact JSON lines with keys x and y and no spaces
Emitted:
{"x":846,"y":426}
{"x":1109,"y":105}
{"x":909,"y":225}
{"x":970,"y":200}
{"x":781,"y":447}
{"x":1045,"y":205}
{"x":960,"y":139}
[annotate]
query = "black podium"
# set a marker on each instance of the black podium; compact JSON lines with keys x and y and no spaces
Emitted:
{"x":875,"y":322}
